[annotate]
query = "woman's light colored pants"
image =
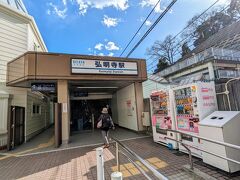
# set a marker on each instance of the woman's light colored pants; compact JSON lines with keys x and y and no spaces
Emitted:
{"x":105,"y":136}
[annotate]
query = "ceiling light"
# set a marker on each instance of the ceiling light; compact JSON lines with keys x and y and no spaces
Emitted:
{"x":97,"y":87}
{"x":99,"y":93}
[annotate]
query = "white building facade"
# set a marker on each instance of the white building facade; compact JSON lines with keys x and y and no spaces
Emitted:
{"x":19,"y":34}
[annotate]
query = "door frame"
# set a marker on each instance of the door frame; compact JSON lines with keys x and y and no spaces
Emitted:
{"x":12,"y":127}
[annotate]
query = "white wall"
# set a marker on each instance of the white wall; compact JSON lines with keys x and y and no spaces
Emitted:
{"x":124,"y":120}
{"x":114,"y":108}
{"x":13,"y":41}
{"x":35,"y":123}
{"x":3,"y":115}
{"x":33,"y":42}
{"x":17,"y":97}
{"x":16,"y":38}
{"x":149,"y":86}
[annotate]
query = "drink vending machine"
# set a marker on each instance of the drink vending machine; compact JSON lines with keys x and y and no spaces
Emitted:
{"x":193,"y":102}
{"x":163,"y":117}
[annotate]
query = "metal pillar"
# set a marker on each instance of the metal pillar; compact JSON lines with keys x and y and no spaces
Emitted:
{"x":100,"y":164}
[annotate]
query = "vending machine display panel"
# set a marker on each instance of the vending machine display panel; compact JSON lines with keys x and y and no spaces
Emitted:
{"x":163,"y":117}
{"x":193,"y":102}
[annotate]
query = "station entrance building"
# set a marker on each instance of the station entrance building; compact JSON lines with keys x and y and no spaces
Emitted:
{"x":83,"y":85}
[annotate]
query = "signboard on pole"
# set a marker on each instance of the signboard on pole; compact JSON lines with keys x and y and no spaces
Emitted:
{"x":81,"y":66}
{"x":43,"y":87}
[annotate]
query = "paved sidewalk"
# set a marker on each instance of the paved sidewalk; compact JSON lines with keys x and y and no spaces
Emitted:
{"x":81,"y":164}
{"x":45,"y":140}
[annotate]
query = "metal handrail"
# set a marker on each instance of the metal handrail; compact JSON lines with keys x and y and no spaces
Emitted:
{"x":226,"y":92}
{"x":146,"y":164}
{"x":190,"y":153}
{"x":206,"y":139}
{"x":136,"y":165}
{"x":206,"y":54}
{"x":186,"y":146}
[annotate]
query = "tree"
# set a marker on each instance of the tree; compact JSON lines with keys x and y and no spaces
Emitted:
{"x":234,"y":9}
{"x":200,"y":29}
{"x":189,"y":34}
{"x":211,"y":26}
{"x":185,"y":49}
{"x":163,"y":50}
{"x":162,"y":64}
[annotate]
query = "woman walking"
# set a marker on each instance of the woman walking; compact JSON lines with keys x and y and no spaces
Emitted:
{"x":105,"y":123}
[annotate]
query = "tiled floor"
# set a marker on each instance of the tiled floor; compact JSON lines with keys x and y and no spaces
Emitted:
{"x":80,"y":163}
{"x":44,"y":138}
{"x":45,"y":141}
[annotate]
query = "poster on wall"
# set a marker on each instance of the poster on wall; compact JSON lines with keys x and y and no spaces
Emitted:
{"x":129,"y":108}
{"x":64,"y":108}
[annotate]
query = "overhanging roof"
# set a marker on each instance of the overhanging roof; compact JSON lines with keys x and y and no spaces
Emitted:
{"x":50,"y":67}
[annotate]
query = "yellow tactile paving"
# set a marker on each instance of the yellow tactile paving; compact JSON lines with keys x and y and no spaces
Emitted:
{"x":153,"y":160}
{"x":129,"y":165}
{"x":122,"y":168}
{"x":160,"y":165}
{"x":134,"y":171}
{"x":130,"y":170}
{"x":40,"y":146}
{"x":126,"y":173}
{"x":142,"y":166}
{"x":115,"y":168}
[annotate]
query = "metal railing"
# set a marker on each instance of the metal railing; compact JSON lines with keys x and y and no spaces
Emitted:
{"x":141,"y":160}
{"x":213,"y":52}
{"x":205,"y":139}
{"x":226,"y":92}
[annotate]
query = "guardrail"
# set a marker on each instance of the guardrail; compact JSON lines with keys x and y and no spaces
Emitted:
{"x":133,"y":154}
{"x":226,"y":92}
{"x":213,"y":52}
{"x":205,"y":139}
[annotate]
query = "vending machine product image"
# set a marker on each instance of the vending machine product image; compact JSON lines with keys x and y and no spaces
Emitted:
{"x":163,"y":118}
{"x":193,"y":102}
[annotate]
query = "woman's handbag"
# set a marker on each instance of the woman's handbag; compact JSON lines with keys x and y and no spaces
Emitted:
{"x":99,"y":124}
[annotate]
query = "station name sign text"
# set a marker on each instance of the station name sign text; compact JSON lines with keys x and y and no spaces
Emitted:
{"x":80,"y":66}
